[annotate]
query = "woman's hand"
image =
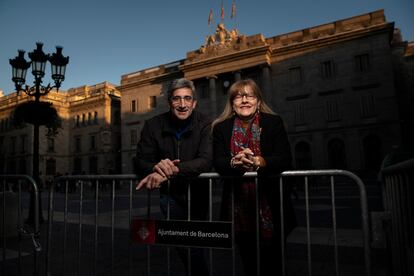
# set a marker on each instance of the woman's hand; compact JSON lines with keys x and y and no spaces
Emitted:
{"x":245,"y":160}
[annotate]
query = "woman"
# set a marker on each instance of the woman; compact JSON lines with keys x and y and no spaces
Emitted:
{"x":249,"y":136}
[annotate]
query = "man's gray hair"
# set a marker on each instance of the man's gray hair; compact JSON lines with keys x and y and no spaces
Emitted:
{"x":180,"y":83}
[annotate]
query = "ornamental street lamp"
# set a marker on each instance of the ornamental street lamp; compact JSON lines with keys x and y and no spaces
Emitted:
{"x":38,"y":63}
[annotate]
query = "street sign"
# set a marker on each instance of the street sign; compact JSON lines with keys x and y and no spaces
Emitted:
{"x":210,"y":234}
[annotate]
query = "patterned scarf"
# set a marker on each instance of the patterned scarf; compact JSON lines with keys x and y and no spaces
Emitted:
{"x":245,"y":194}
{"x":246,"y":138}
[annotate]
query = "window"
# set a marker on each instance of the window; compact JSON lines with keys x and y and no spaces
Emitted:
{"x":22,"y":166}
{"x":13,"y":145}
{"x":83,"y":119}
{"x":23,"y":142}
{"x":89,"y":118}
{"x":50,"y":166}
{"x":303,"y":156}
{"x":152,"y":102}
{"x":93,"y":165}
{"x":77,"y":166}
{"x":95,"y":117}
{"x":204,"y":92}
{"x":332,"y":110}
{"x":92,"y":142}
{"x":133,"y":106}
{"x":299,"y":114}
{"x":295,"y":75}
{"x":362,"y":63}
{"x":78,"y":143}
{"x":368,"y":106}
{"x":134,"y":139}
{"x":4,"y":124}
{"x":77,"y":120}
{"x":337,"y":154}
{"x":50,"y":144}
{"x":327,"y":69}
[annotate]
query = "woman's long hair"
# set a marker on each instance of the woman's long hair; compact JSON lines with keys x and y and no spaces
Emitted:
{"x":233,"y":91}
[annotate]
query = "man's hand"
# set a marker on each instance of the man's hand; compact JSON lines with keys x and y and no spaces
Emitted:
{"x":151,"y":181}
{"x":167,"y":168}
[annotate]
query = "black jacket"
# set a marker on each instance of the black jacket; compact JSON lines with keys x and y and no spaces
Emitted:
{"x":194,"y":149}
{"x":275,"y":150}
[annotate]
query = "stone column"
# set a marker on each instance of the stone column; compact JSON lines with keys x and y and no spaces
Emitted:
{"x":237,"y":76}
{"x":267,"y":85}
{"x":213,"y":94}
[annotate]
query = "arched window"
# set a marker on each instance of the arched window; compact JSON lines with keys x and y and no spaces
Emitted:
{"x":372,"y":152}
{"x":336,"y":154}
{"x":303,"y":156}
{"x":77,"y":165}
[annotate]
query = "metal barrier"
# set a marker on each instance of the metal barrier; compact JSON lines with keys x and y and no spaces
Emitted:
{"x":364,"y":213}
{"x":91,"y":221}
{"x":85,"y":183}
{"x":398,"y":194}
{"x":12,"y":260}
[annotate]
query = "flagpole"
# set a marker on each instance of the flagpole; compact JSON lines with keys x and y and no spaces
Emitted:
{"x":222,"y":12}
{"x":234,"y":13}
{"x":210,"y":21}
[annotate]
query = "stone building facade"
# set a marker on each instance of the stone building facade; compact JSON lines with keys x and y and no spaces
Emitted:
{"x":344,"y":89}
{"x":88,"y":142}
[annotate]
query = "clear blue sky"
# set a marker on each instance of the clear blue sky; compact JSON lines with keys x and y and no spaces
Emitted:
{"x":108,"y":38}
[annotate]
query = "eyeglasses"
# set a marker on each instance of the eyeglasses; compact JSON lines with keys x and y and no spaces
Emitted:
{"x":177,"y":99}
{"x":249,"y":97}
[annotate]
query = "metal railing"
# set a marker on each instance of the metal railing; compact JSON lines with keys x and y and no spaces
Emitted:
{"x":87,"y":185}
{"x":364,"y":213}
{"x":90,"y":197}
{"x":89,"y":226}
{"x":398,"y":195}
{"x":13,"y":231}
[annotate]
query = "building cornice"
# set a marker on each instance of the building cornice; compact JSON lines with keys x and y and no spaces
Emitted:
{"x":233,"y":61}
{"x":153,"y":79}
{"x":278,"y":49}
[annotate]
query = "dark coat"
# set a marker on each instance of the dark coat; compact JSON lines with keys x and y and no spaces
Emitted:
{"x":276,"y":151}
{"x":194,"y":149}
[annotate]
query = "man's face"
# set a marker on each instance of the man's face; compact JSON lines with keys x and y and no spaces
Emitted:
{"x":182,"y":103}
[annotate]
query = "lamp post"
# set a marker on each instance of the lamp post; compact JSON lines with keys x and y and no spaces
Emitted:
{"x":38,"y":63}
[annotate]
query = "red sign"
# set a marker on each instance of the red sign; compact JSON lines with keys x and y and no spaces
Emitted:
{"x":143,"y":231}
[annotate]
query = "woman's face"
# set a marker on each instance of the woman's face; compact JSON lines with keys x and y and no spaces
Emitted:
{"x":245,"y":103}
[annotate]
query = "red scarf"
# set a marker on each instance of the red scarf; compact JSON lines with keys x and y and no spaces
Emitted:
{"x":246,"y":138}
{"x":245,"y":194}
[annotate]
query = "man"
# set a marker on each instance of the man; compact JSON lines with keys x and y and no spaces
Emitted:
{"x":177,"y":145}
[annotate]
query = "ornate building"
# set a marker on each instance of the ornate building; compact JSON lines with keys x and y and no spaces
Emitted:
{"x":344,"y":89}
{"x":88,"y":142}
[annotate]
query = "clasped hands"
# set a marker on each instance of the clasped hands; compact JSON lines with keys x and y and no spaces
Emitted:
{"x":162,"y":171}
{"x":246,"y":160}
